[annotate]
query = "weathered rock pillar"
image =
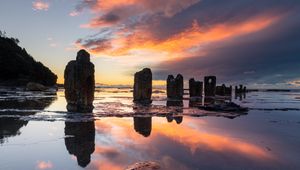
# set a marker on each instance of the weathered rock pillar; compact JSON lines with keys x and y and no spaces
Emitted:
{"x":210,"y":86}
{"x":80,"y":83}
{"x":175,"y":87}
{"x":142,"y":89}
{"x":223,"y":90}
{"x":195,"y":88}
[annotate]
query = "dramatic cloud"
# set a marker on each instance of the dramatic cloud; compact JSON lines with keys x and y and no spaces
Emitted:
{"x":198,"y":37}
{"x":40,"y":5}
{"x":269,"y":56}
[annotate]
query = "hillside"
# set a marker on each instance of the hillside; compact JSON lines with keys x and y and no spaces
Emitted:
{"x":17,"y":67}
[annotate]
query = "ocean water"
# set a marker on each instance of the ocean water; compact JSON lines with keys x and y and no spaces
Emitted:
{"x":37,"y":132}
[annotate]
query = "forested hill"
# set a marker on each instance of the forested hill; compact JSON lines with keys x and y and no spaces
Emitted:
{"x":17,"y":67}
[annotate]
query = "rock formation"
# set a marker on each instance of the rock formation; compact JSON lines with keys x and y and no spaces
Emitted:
{"x":175,"y":87}
{"x":195,"y":88}
{"x":223,"y":90}
{"x":80,"y":83}
{"x":210,"y":86}
{"x":142,"y":89}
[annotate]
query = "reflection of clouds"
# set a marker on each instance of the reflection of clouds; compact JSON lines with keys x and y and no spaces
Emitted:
{"x":44,"y":165}
{"x":166,"y":143}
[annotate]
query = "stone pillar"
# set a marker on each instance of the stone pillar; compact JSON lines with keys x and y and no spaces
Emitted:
{"x":195,"y":88}
{"x":175,"y":87}
{"x":80,"y":83}
{"x":223,"y":90}
{"x":241,"y":89}
{"x":210,"y":86}
{"x":142,"y":89}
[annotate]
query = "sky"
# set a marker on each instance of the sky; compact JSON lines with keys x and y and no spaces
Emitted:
{"x":250,"y":42}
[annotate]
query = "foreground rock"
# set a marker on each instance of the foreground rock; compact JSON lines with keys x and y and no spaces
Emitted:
{"x":80,"y":83}
{"x":142,"y":89}
{"x":35,"y":87}
{"x":17,"y":67}
{"x":148,"y":165}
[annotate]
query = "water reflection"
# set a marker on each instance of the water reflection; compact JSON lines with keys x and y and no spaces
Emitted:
{"x":143,"y":125}
{"x":10,"y":127}
{"x":196,"y":144}
{"x":24,"y":104}
{"x":240,"y":96}
{"x":178,"y":119}
{"x":80,"y":140}
{"x":179,"y":110}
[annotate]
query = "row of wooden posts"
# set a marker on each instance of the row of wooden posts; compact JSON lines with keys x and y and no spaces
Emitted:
{"x":142,"y":90}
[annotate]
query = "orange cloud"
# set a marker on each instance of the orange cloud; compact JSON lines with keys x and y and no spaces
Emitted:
{"x":40,"y":5}
{"x":127,"y":42}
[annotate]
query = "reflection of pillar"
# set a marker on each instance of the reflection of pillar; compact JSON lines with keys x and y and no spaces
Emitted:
{"x":179,"y":110}
{"x":80,"y":140}
{"x":178,"y":119}
{"x":143,"y":125}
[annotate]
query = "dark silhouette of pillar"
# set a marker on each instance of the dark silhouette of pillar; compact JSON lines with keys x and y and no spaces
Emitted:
{"x":175,"y":87}
{"x":80,"y":140}
{"x":142,"y":89}
{"x":223,"y":90}
{"x":80,"y":83}
{"x":209,"y":86}
{"x":195,"y":88}
{"x":143,"y":125}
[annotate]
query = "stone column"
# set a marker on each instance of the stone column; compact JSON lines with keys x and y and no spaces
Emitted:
{"x":210,"y":86}
{"x":175,"y":87}
{"x":195,"y":88}
{"x":142,"y":89}
{"x":80,"y":83}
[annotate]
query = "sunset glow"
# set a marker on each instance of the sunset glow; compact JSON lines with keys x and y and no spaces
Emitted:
{"x":168,"y":36}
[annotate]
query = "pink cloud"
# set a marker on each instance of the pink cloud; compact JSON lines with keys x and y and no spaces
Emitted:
{"x":74,"y":13}
{"x":40,"y":5}
{"x":44,"y":165}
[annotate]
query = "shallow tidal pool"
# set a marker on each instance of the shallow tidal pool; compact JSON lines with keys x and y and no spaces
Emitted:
{"x":36,"y":132}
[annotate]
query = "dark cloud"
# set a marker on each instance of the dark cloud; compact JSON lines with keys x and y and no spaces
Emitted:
{"x":212,"y":12}
{"x":95,"y":44}
{"x":268,"y":56}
